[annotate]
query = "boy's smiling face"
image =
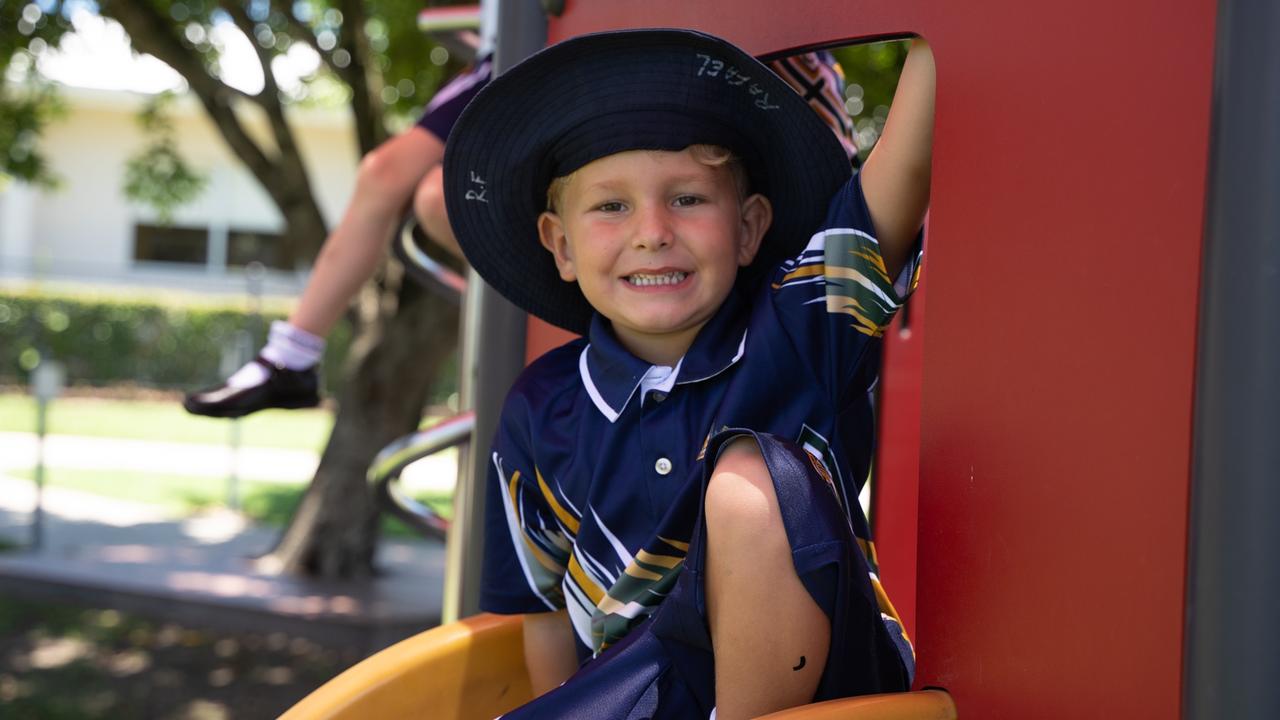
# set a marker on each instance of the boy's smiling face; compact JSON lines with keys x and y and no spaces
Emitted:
{"x":655,"y":240}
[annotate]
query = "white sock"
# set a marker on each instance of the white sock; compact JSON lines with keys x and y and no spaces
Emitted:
{"x":251,"y":375}
{"x":292,"y":347}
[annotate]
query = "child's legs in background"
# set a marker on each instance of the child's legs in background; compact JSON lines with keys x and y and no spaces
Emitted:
{"x":385,"y":184}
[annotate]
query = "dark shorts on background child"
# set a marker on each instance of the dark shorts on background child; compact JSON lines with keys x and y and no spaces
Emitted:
{"x":449,"y":102}
{"x":664,"y":669}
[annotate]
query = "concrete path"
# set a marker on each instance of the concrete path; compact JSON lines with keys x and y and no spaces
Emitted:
{"x":198,"y":569}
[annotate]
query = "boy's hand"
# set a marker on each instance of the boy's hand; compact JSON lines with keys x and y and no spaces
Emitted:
{"x":895,"y":178}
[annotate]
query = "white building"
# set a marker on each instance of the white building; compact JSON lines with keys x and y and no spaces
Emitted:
{"x":86,"y":231}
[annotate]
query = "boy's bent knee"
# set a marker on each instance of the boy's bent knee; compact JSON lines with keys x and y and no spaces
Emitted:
{"x":378,"y":179}
{"x":429,"y":208}
{"x":428,"y":199}
{"x":740,"y":495}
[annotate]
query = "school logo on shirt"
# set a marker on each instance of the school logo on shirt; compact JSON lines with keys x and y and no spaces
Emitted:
{"x":822,"y":459}
{"x":702,"y":453}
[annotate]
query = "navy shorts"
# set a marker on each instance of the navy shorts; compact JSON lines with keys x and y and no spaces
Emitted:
{"x":664,"y":669}
{"x":449,"y":101}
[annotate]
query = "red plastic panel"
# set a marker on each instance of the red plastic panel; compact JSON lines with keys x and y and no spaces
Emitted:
{"x":541,"y":337}
{"x":896,"y":491}
{"x":1058,"y":371}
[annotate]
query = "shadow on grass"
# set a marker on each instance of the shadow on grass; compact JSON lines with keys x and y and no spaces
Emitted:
{"x":61,"y":661}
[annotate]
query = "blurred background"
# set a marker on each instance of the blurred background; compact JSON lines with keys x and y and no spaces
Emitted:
{"x":155,"y":564}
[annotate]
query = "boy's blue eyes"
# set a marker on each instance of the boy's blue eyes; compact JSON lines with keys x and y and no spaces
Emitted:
{"x":680,"y":201}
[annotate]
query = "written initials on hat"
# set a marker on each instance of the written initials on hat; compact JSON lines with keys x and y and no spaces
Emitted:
{"x":714,"y":67}
{"x":477,"y":190}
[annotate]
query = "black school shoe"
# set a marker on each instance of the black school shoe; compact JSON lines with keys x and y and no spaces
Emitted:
{"x":283,"y":388}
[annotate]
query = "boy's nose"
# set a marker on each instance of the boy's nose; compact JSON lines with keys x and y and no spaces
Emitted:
{"x":653,"y":231}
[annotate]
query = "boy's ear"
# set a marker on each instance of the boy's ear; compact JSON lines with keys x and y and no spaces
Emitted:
{"x":757,"y":217}
{"x":551,"y":234}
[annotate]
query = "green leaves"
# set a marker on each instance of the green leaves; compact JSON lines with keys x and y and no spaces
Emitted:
{"x":21,"y":120}
{"x":871,"y":76}
{"x":27,"y":30}
{"x":158,"y":176}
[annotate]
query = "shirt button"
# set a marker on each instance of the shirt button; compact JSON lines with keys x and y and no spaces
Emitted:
{"x":663,"y":466}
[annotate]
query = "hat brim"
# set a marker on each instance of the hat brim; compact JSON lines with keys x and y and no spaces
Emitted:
{"x":498,"y":163}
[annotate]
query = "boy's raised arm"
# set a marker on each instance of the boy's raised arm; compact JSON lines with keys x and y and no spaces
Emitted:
{"x":895,"y":178}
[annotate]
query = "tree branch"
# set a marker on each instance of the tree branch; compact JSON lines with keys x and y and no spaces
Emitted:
{"x":270,"y":91}
{"x":282,"y":176}
{"x":365,"y":78}
{"x":151,"y":33}
{"x":309,"y":36}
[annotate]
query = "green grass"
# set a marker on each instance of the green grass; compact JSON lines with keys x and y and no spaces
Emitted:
{"x":166,"y":422}
{"x":265,"y":502}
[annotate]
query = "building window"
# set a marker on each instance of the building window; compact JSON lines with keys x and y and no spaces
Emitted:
{"x":171,"y":244}
{"x":246,"y":246}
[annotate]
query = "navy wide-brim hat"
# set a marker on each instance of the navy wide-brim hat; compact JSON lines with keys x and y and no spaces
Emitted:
{"x":601,"y":94}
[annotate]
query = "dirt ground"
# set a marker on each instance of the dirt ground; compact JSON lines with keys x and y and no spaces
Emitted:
{"x":63,"y":662}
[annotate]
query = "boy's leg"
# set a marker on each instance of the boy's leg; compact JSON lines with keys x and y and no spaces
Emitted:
{"x":668,"y":668}
{"x":385,"y":183}
{"x":429,"y":209}
{"x":770,"y":638}
{"x":284,"y":374}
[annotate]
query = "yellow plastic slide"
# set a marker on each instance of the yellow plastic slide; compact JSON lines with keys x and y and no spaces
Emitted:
{"x":474,"y":668}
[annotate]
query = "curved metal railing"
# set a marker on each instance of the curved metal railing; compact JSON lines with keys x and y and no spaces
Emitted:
{"x":385,"y":471}
{"x":409,"y":248}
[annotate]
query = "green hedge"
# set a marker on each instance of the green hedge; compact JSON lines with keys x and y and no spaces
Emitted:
{"x":110,"y":341}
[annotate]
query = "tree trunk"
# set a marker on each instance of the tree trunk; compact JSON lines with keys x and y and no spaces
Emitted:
{"x":403,"y":335}
{"x":395,"y":358}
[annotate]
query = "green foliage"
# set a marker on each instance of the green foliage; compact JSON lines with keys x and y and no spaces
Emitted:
{"x":157,"y":176}
{"x":21,"y":121}
{"x":871,"y":76}
{"x":408,"y":63}
{"x":105,"y":342}
{"x":27,"y":30}
{"x":400,"y":53}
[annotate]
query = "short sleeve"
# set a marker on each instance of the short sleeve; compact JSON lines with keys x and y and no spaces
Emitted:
{"x":835,"y":298}
{"x":449,"y":101}
{"x":526,"y":549}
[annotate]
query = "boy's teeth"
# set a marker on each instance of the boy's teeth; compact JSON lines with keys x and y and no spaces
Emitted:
{"x":670,"y":278}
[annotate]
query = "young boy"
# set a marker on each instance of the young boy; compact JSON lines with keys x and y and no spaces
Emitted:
{"x":675,"y":494}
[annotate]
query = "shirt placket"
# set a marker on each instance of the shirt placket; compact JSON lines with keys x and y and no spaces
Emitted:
{"x":660,"y":439}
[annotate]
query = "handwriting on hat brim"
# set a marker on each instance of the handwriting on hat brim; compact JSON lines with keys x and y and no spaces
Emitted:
{"x":478,"y":189}
{"x":709,"y":66}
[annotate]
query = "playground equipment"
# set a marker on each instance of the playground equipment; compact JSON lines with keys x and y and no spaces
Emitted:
{"x":474,"y":668}
{"x":1075,"y":479}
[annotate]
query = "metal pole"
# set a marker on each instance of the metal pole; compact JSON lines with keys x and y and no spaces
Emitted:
{"x":37,"y":514}
{"x":254,"y":274}
{"x":493,"y":339}
{"x":1233,"y":658}
{"x":46,"y":383}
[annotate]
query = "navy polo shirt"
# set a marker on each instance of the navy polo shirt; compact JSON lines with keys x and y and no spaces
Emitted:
{"x":594,"y":481}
